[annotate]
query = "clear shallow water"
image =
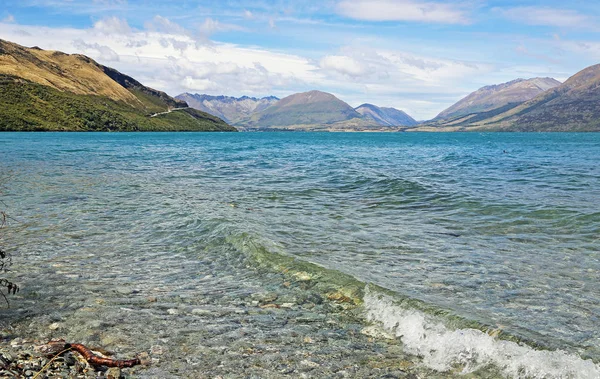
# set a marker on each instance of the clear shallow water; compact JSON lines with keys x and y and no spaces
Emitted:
{"x":502,"y":229}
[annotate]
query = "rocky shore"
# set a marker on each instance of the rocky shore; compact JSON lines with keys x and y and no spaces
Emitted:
{"x":23,"y":358}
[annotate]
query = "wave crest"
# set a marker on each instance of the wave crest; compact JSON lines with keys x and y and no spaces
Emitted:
{"x":469,"y":350}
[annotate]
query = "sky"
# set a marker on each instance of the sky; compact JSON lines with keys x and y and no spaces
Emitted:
{"x":417,"y":56}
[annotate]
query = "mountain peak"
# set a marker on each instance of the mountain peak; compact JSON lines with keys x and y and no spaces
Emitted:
{"x":309,"y":97}
{"x":310,"y":109}
{"x":587,"y":75}
{"x":497,"y":96}
{"x":385,"y":116}
{"x":230,"y":109}
{"x":571,"y":106}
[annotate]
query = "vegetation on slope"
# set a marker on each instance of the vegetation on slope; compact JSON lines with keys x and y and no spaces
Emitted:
{"x":385,"y":116}
{"x":230,"y":109}
{"x":313,"y":108}
{"x":569,"y":107}
{"x":493,"y":97}
{"x":572,"y":106}
{"x":65,"y":72}
{"x":28,"y":106}
{"x":51,"y":90}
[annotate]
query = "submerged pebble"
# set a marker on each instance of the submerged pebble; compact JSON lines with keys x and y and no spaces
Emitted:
{"x":152,"y":256}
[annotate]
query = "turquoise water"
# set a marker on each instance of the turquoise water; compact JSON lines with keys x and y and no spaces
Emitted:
{"x":501,"y":229}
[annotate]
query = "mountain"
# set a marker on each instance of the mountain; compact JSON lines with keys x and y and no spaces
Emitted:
{"x":385,"y":116}
{"x":497,"y":96}
{"x":313,"y":110}
{"x":571,"y":106}
{"x":230,"y":109}
{"x":51,"y":90}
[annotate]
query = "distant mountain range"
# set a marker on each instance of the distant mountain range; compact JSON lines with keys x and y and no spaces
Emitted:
{"x":570,"y":106}
{"x":230,"y":109}
{"x":50,"y":90}
{"x":307,"y":110}
{"x":312,"y":110}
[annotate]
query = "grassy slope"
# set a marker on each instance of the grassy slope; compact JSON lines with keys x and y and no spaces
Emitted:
{"x":570,"y":107}
{"x":51,"y":90}
{"x":307,"y":115}
{"x":66,"y":72}
{"x":27,"y":106}
{"x":304,"y":114}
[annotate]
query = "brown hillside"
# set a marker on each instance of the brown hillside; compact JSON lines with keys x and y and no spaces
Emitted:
{"x":65,"y":72}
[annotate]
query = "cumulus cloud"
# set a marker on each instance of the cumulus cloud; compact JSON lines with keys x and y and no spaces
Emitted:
{"x":167,"y":57}
{"x":96,"y":50}
{"x":198,"y":85}
{"x":175,"y":62}
{"x":546,"y":16}
{"x":204,"y":76}
{"x":403,"y":10}
{"x":379,"y":66}
{"x":112,"y":25}
{"x":177,"y":44}
{"x":200,"y":36}
{"x":343,"y":64}
{"x":171,"y":60}
{"x":136,"y":43}
{"x":414,"y":83}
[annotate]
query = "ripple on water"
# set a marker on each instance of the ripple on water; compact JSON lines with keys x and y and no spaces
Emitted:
{"x":110,"y":221}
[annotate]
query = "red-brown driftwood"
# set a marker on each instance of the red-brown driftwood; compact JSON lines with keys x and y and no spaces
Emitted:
{"x":96,"y":360}
{"x":59,"y":346}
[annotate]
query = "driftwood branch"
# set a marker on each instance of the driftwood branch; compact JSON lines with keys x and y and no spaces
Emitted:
{"x":96,"y":360}
{"x":54,"y":348}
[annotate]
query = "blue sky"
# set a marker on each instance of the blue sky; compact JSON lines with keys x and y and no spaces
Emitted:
{"x":418,"y":56}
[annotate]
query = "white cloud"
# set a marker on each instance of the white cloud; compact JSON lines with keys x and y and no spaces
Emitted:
{"x":343,"y":64}
{"x":162,"y":24}
{"x":176,"y":63}
{"x":211,"y":26}
{"x":200,"y":36}
{"x":96,"y":51}
{"x":198,"y":85}
{"x":8,"y":19}
{"x":390,"y":67}
{"x":546,"y":16}
{"x":171,"y":60}
{"x":419,"y":85}
{"x":112,"y":25}
{"x":179,"y":45}
{"x":403,"y":10}
{"x":168,"y":57}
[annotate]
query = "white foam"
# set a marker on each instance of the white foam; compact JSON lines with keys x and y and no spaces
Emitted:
{"x":443,"y":349}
